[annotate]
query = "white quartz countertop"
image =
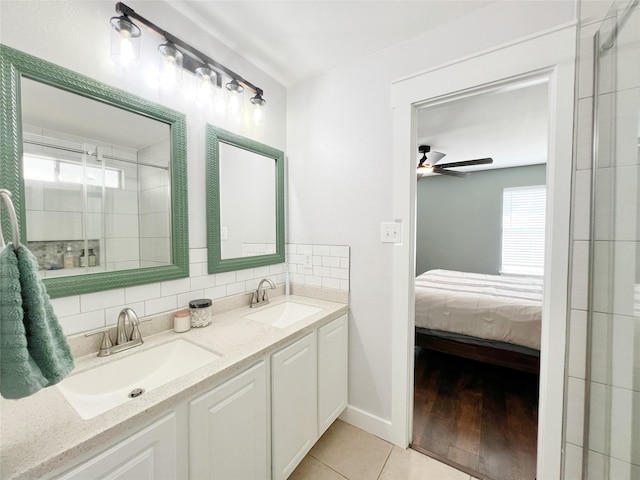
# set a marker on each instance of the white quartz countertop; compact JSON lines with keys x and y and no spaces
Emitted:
{"x":42,"y":433}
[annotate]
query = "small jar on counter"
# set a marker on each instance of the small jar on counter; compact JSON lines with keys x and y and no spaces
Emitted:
{"x":200,"y":312}
{"x":182,"y":321}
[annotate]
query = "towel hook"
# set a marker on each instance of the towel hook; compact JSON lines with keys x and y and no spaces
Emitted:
{"x":15,"y":228}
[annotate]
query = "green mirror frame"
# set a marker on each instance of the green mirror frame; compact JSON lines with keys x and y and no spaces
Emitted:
{"x":216,"y":264}
{"x":14,"y":65}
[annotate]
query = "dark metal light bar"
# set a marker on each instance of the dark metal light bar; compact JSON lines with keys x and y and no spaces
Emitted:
{"x":195,"y":58}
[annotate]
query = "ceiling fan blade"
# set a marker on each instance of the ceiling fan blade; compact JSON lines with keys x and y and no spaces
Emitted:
{"x":435,"y":157}
{"x":467,"y":163}
{"x":452,"y":173}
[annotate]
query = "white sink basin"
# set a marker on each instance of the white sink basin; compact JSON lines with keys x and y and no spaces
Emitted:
{"x":95,"y":391}
{"x":284,"y":314}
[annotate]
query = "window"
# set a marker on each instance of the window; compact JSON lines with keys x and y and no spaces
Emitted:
{"x":52,"y":170}
{"x":523,"y":219}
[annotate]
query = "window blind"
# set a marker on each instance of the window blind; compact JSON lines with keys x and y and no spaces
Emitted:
{"x":523,"y":221}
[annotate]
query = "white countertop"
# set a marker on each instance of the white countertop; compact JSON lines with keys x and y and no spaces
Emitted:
{"x":42,"y":433}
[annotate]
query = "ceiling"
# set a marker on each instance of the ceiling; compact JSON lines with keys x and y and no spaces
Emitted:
{"x":509,"y":124}
{"x":296,"y":40}
{"x":56,"y":109}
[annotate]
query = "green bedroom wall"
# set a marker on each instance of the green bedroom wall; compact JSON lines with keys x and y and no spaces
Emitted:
{"x":459,"y":220}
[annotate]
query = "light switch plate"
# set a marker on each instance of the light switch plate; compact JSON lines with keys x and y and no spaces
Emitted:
{"x":224,"y":233}
{"x":391,"y":232}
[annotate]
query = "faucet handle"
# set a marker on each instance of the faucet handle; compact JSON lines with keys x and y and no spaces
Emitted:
{"x":106,"y":344}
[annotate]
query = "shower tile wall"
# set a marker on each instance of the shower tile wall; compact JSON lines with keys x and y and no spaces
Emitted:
{"x":120,"y":216}
{"x":155,"y":221}
{"x":330,"y":269}
{"x":55,"y":210}
{"x":615,"y":367}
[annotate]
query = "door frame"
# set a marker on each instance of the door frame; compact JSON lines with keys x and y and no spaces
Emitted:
{"x":551,"y":53}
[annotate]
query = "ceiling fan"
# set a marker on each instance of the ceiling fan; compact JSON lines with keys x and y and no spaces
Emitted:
{"x":428,"y":163}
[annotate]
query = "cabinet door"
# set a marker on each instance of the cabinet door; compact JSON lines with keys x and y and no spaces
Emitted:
{"x":228,"y":429}
{"x":333,"y":352}
{"x":147,"y":455}
{"x":294,"y":421}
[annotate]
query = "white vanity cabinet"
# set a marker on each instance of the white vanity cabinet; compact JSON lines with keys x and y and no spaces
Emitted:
{"x":259,"y":424}
{"x":333,"y":364}
{"x":294,"y":406}
{"x":150,"y":454}
{"x":228,"y":429}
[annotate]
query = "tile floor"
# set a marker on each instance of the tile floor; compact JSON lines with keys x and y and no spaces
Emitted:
{"x":347,"y":453}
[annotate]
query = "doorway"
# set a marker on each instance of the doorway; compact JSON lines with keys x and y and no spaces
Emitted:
{"x":551,"y":55}
{"x":479,"y":267}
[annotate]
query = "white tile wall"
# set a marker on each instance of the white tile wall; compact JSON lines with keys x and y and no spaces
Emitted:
{"x":580,"y":275}
{"x":575,"y":411}
{"x":95,"y":310}
{"x":573,"y":462}
{"x":582,"y":205}
{"x":577,"y":343}
{"x":329,"y":265}
{"x":615,"y":363}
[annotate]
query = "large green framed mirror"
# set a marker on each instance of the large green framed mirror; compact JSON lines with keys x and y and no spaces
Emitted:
{"x":98,"y":176}
{"x":245,"y":202}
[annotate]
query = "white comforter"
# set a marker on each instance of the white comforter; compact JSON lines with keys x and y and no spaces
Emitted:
{"x":493,"y":307}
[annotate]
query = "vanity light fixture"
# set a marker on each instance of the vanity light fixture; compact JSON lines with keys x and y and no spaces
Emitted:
{"x":125,"y":41}
{"x":177,"y":55}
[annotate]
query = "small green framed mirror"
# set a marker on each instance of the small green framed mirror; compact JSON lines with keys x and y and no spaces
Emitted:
{"x":98,"y":176}
{"x":245,"y":202}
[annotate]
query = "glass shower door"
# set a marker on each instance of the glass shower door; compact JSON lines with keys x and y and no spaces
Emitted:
{"x":612,"y":433}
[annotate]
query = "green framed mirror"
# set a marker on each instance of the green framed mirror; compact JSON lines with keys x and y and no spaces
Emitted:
{"x":98,"y":176}
{"x":245,"y":202}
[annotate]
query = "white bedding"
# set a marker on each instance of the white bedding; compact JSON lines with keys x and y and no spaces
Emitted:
{"x":493,"y":307}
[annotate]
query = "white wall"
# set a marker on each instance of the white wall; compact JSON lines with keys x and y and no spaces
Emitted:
{"x":76,"y":35}
{"x":340,"y":135}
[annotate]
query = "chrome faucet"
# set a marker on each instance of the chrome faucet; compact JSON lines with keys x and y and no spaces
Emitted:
{"x":121,"y":330}
{"x":260,"y":297}
{"x":124,"y":341}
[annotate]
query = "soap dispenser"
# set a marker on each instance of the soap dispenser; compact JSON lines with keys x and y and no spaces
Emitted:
{"x":67,"y":260}
{"x":92,"y":258}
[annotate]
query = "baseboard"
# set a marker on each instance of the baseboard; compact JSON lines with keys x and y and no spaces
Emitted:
{"x":368,"y":422}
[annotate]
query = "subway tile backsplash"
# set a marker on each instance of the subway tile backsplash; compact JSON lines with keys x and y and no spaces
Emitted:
{"x":324,"y":266}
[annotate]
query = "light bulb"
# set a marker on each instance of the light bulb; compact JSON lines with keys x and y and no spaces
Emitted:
{"x":127,"y":55}
{"x":206,"y":89}
{"x":258,"y":108}
{"x":170,"y":65}
{"x":234,"y":104}
{"x":258,"y":115}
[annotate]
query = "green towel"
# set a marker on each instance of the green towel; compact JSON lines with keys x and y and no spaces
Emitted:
{"x":33,"y":350}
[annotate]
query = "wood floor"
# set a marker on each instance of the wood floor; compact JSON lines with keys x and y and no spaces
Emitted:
{"x":476,"y":417}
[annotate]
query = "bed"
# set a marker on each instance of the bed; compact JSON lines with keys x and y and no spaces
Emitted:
{"x":491,"y":318}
